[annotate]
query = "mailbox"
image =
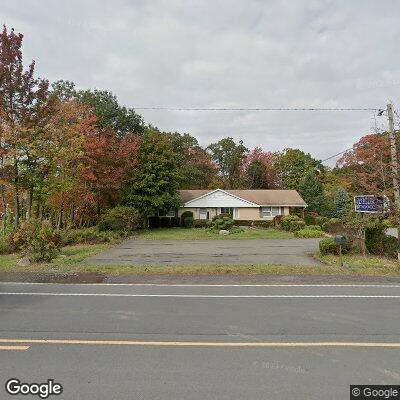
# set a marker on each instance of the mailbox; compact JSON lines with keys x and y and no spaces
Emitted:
{"x":341,"y":240}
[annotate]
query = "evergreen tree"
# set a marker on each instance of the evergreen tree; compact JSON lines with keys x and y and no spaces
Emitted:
{"x":155,"y":186}
{"x":313,"y":193}
{"x":340,"y":203}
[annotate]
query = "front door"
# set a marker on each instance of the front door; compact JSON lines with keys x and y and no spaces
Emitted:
{"x":203,"y":213}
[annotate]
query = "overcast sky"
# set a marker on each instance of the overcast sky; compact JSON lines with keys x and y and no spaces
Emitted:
{"x":298,"y":53}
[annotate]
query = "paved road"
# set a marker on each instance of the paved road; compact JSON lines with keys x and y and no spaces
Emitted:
{"x":201,"y":341}
{"x":155,"y":252}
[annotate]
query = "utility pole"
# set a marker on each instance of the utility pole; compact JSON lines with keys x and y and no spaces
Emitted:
{"x":395,"y":170}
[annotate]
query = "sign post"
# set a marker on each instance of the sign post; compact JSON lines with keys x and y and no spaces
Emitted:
{"x":341,"y":241}
{"x":369,"y":204}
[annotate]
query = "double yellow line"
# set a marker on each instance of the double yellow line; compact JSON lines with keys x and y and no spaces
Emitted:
{"x":10,"y":344}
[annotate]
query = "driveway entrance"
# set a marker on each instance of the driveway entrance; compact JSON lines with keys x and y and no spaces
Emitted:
{"x":156,"y":252}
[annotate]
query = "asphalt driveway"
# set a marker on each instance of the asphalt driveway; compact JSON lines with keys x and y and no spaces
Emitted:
{"x":183,"y":252}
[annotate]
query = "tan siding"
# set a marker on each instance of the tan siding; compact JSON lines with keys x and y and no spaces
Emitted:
{"x":286,"y":211}
{"x":252,"y":214}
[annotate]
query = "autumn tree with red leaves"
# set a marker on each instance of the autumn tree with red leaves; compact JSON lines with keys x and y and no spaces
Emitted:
{"x":365,"y":169}
{"x":260,"y":171}
{"x":25,"y":106}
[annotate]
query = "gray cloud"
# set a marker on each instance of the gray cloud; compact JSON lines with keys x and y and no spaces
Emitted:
{"x":226,"y":53}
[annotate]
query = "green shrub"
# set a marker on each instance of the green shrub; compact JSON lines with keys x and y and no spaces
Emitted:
{"x":222,"y":222}
{"x":309,"y":233}
{"x":154,"y":221}
{"x":200,"y":223}
{"x":374,"y":240}
{"x":188,"y":222}
{"x":388,"y":223}
{"x":184,"y":215}
{"x":391,"y":246}
{"x":165,"y":222}
{"x":328,"y":246}
{"x":277,"y":221}
{"x":250,"y":222}
{"x":120,"y":218}
{"x":309,"y":218}
{"x":333,"y":225}
{"x":292,"y":223}
{"x":37,"y":240}
{"x":236,"y":229}
{"x":4,"y":244}
{"x":243,"y":222}
{"x":15,"y":241}
{"x":313,"y":227}
{"x":175,"y":221}
{"x":318,"y":220}
{"x":263,"y":224}
{"x":88,"y":236}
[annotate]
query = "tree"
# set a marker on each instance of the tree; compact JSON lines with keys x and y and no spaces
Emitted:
{"x":340,"y":203}
{"x":312,"y":191}
{"x":293,"y":165}
{"x":107,"y":164}
{"x":110,"y":114}
{"x":64,"y":90}
{"x":260,"y":170}
{"x":196,"y":168}
{"x":366,"y":167}
{"x":155,"y":187}
{"x":229,"y":157}
{"x":24,"y":107}
{"x":256,"y":176}
{"x":55,"y":177}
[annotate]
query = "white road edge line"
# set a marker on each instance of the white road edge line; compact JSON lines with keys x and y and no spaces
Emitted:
{"x":199,"y":295}
{"x":199,"y":285}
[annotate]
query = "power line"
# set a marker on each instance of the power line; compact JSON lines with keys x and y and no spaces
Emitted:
{"x":253,"y":109}
{"x":335,"y":155}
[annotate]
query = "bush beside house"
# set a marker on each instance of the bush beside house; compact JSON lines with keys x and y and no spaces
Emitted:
{"x":292,"y":223}
{"x":221,"y":222}
{"x":120,"y":218}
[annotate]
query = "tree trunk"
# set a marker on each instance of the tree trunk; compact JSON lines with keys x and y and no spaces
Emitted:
{"x":16,"y":195}
{"x":3,"y":199}
{"x":30,"y":202}
{"x":72,"y":215}
{"x":60,"y":218}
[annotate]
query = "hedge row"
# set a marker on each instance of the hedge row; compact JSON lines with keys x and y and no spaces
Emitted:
{"x":186,"y":220}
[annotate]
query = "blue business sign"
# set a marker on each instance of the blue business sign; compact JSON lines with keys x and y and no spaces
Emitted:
{"x":371,"y":204}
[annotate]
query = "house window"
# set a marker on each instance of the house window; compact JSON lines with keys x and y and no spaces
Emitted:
{"x":171,"y":213}
{"x":227,"y":210}
{"x":270,"y":211}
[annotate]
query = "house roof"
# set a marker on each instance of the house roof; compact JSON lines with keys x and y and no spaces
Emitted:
{"x":264,"y":197}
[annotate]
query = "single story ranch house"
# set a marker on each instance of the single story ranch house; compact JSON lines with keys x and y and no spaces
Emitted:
{"x":255,"y":205}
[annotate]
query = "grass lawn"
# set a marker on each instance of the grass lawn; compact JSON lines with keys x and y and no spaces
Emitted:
{"x":71,"y":256}
{"x":360,"y":265}
{"x":204,"y":234}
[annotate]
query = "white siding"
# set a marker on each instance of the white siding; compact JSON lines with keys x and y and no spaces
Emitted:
{"x":219,"y":199}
